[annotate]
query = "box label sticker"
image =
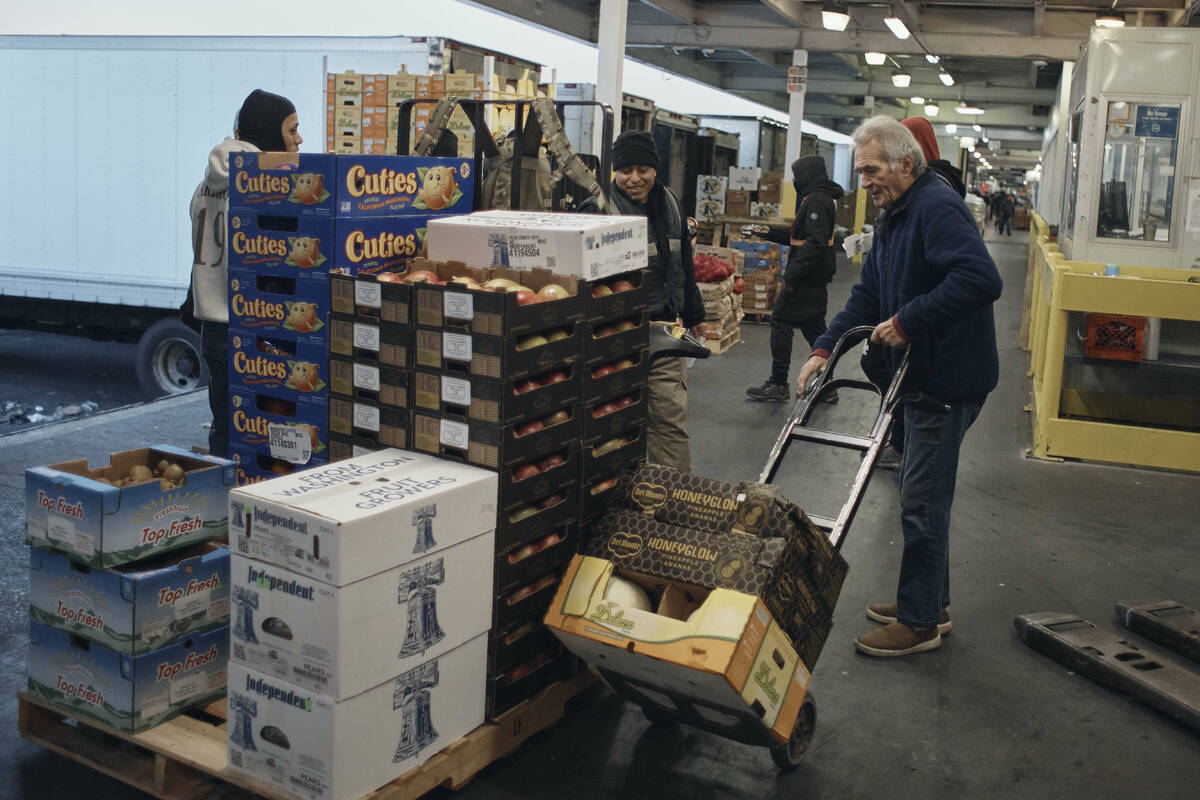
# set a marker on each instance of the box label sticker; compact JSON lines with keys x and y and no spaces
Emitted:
{"x":289,"y":443}
{"x":455,"y":434}
{"x":155,"y":704}
{"x":85,"y":544}
{"x":366,"y":336}
{"x":189,"y":686}
{"x":368,"y":293}
{"x":60,"y":529}
{"x":459,"y":305}
{"x":366,"y":377}
{"x":196,"y":603}
{"x":528,"y":251}
{"x":366,"y":417}
{"x":456,"y":391}
{"x":36,"y":527}
{"x":456,"y":346}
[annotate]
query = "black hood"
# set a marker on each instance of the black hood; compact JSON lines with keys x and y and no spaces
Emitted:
{"x":951,"y":173}
{"x":809,"y":175}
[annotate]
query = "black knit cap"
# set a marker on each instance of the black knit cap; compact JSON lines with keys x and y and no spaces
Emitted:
{"x":634,"y":148}
{"x":260,"y":121}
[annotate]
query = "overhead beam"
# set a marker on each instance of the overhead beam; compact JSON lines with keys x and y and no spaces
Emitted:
{"x":1004,"y":115}
{"x":579,"y":23}
{"x":790,"y":11}
{"x":936,"y":91}
{"x":696,"y":69}
{"x":684,"y":10}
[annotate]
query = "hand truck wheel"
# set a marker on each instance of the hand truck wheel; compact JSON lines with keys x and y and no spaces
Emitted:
{"x":788,"y":756}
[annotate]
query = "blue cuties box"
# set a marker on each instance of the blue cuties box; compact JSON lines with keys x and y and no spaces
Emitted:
{"x":273,"y":303}
{"x":390,"y":186}
{"x":367,"y":246}
{"x":282,"y":183}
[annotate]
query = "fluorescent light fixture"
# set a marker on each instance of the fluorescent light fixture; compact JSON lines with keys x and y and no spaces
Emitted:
{"x":946,"y":78}
{"x":978,"y":128}
{"x":1103,"y":21}
{"x":985,"y":140}
{"x":900,"y":30}
{"x":967,"y":142}
{"x":931,"y":58}
{"x":917,"y":101}
{"x":875,"y":59}
{"x":951,"y":128}
{"x":834,"y":16}
{"x":931,"y":110}
{"x":901,"y":80}
{"x":969,"y":111}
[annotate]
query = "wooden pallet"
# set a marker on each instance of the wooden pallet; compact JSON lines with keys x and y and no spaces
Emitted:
{"x":719,"y":346}
{"x":757,"y":317}
{"x":186,"y":758}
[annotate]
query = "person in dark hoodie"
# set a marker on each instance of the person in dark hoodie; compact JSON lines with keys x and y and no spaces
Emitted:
{"x":811,"y":263}
{"x":266,"y":122}
{"x":673,"y":290}
{"x":922,"y":131}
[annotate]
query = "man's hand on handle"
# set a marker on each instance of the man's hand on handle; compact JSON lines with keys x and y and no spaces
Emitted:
{"x":811,"y":367}
{"x":888,"y":333}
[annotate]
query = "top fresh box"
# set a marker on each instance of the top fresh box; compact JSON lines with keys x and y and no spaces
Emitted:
{"x":309,"y":184}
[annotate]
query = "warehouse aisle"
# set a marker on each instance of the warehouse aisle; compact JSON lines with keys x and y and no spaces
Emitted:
{"x":982,"y":717}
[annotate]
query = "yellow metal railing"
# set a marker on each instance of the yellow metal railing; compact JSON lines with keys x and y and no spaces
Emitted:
{"x":1059,"y":287}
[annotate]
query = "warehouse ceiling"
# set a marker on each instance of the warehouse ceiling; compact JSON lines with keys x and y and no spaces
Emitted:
{"x":1005,"y":56}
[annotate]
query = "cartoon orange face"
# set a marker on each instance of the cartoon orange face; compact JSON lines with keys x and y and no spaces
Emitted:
{"x":438,"y":189}
{"x":305,"y":376}
{"x":305,"y":252}
{"x":302,"y":317}
{"x":308,"y":188}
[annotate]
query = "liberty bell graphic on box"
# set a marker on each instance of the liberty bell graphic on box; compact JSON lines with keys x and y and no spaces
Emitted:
{"x":418,"y":589}
{"x":423,"y":520}
{"x":245,"y":601}
{"x":412,"y":698}
{"x":244,"y":710}
{"x":499,"y":244}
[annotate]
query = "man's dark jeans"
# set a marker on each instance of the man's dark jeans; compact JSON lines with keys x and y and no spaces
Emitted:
{"x":781,"y":344}
{"x":927,"y":476}
{"x":214,"y":338}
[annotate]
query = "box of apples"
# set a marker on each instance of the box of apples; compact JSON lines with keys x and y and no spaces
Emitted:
{"x":367,"y":338}
{"x":529,"y":561}
{"x":612,"y":455}
{"x":494,"y":446}
{"x":616,"y":339}
{"x":618,"y":297}
{"x":607,"y":418}
{"x":384,"y":296}
{"x":500,"y":403}
{"x":527,"y":601}
{"x":617,"y":377}
{"x":525,"y":679}
{"x":385,"y":426}
{"x":501,"y":359}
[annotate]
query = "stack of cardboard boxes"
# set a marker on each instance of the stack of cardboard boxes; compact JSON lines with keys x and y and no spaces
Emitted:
{"x":129,"y":595}
{"x":767,"y":201}
{"x":359,"y":636}
{"x":753,"y":193}
{"x":710,"y":197}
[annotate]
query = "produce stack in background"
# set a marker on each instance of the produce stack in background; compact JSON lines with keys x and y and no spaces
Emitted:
{"x":762,"y":264}
{"x":359,"y":634}
{"x":715,"y":275}
{"x":710,"y":197}
{"x":753,"y":193}
{"x":128,"y":591}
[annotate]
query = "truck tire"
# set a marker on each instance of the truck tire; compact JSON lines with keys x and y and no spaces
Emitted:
{"x":170,"y":359}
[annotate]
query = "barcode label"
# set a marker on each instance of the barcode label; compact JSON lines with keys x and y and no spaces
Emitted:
{"x":290,"y":443}
{"x":369,"y":294}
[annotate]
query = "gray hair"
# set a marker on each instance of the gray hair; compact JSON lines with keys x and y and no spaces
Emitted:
{"x":895,"y":140}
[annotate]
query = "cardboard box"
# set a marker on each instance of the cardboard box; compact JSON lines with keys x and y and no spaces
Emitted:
{"x":126,"y":692}
{"x":282,"y":183}
{"x":135,"y":608}
{"x":770,"y":182}
{"x":282,"y":245}
{"x":349,"y":82}
{"x":367,"y":296}
{"x":371,"y":339}
{"x":766,"y":210}
{"x":383,"y":425}
{"x":772,"y":197}
{"x":744,"y":179}
{"x":275,"y":303}
{"x":378,"y":244}
{"x":711,"y":187}
{"x":378,"y":146}
{"x":279,"y":427}
{"x":761,"y":256}
{"x":344,"y":145}
{"x":389,"y":186}
{"x":716,"y":658}
{"x":460,"y":84}
{"x":341,"y":641}
{"x":295,"y":370}
{"x":507,"y":358}
{"x":320,"y":749}
{"x":353,"y":519}
{"x":344,"y":120}
{"x":69,"y":508}
{"x":709,"y":208}
{"x":737,"y":203}
{"x":347,"y":100}
{"x":588,"y":246}
{"x":375,"y":90}
{"x":401,"y":86}
{"x":374,"y":122}
{"x":735,"y":258}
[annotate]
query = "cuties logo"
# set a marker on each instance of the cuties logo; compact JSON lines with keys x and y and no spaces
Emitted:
{"x":384,"y":183}
{"x":386,"y":245}
{"x":265,"y":183}
{"x":258,"y":245}
{"x":304,"y":252}
{"x":258,"y":366}
{"x":258,"y":308}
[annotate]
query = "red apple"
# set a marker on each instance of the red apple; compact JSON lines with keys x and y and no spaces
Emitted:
{"x":466,"y":280}
{"x":552,"y":291}
{"x":522,"y":512}
{"x":550,"y":462}
{"x":603,"y":486}
{"x":601,"y":371}
{"x":624,"y":363}
{"x":520,"y":594}
{"x":519,"y":671}
{"x":607,"y":408}
{"x":420,"y":276}
{"x":544,"y":581}
{"x":625,"y":402}
{"x":525,"y":471}
{"x":526,"y":386}
{"x":557,"y":335}
{"x":530,"y":427}
{"x":557,"y":418}
{"x":550,"y":502}
{"x":622,"y":286}
{"x":521,"y":553}
{"x":555,"y":377}
{"x":388,"y":277}
{"x":525,"y":297}
{"x":625,"y":325}
{"x":601,"y":290}
{"x":609,"y":331}
{"x":549,"y":541}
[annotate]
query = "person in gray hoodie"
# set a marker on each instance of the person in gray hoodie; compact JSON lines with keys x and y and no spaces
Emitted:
{"x":266,"y":122}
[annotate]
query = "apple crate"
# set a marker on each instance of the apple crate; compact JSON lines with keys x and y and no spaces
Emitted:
{"x":615,"y":378}
{"x":490,"y":445}
{"x":526,"y":679}
{"x":365,"y":379}
{"x":525,"y":562}
{"x":615,"y":339}
{"x":386,"y":426}
{"x":1115,"y":336}
{"x":510,"y":358}
{"x":492,"y":313}
{"x":596,"y":495}
{"x":530,"y":481}
{"x":503,"y":403}
{"x":342,"y":447}
{"x":618,"y":297}
{"x":380,"y":296}
{"x":522,"y":524}
{"x":607,"y":418}
{"x":517,"y":644}
{"x":528,"y":601}
{"x":606,"y":458}
{"x":363,"y":338}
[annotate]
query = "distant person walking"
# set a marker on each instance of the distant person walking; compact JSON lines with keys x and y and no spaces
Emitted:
{"x":1005,"y":211}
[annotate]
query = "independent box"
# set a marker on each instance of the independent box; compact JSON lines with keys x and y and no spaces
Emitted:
{"x":277,"y":426}
{"x":392,"y":186}
{"x":274,"y":303}
{"x":292,"y":245}
{"x":135,"y":608}
{"x":317,"y":748}
{"x":588,"y":246}
{"x":366,"y":246}
{"x":126,"y":692}
{"x":343,"y":640}
{"x":282,"y":183}
{"x":715,"y":658}
{"x":69,"y":508}
{"x":353,"y":519}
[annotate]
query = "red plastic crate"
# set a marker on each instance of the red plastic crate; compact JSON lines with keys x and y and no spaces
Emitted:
{"x":1115,"y":336}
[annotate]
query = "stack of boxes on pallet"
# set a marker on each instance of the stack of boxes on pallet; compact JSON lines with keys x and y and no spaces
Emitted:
{"x":716,"y":268}
{"x":359,"y":634}
{"x":710,"y":197}
{"x":129,"y":593}
{"x":753,"y":193}
{"x":762,"y":264}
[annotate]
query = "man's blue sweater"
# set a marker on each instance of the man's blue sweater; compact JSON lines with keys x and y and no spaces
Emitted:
{"x":929,"y":268}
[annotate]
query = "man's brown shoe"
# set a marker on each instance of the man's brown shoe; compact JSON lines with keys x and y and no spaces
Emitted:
{"x":897,"y":639}
{"x":886,"y":612}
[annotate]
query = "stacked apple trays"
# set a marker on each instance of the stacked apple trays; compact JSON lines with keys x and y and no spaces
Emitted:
{"x":359,"y":640}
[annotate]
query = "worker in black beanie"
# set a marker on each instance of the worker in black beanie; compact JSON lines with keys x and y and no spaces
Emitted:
{"x":673,"y":291}
{"x":268,"y":121}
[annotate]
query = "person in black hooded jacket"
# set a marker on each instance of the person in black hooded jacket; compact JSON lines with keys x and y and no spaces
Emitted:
{"x":811,"y":263}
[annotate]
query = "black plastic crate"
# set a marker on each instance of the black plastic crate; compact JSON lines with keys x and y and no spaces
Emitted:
{"x":595,"y":464}
{"x":517,"y":644}
{"x":369,"y":297}
{"x":615,"y":339}
{"x":499,"y":359}
{"x":342,"y":447}
{"x":498,"y":314}
{"x":496,"y":402}
{"x":615,"y":415}
{"x":366,"y":379}
{"x":618,"y":304}
{"x":504,"y":693}
{"x":524,"y":562}
{"x":542,"y":483}
{"x":604,"y":379}
{"x":384,"y":425}
{"x":362,"y":338}
{"x":491,"y":446}
{"x":526,"y":602}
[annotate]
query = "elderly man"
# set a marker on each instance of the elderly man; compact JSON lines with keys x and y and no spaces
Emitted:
{"x":928,"y":283}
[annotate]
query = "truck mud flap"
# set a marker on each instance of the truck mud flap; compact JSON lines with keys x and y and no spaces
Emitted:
{"x":1171,"y":624}
{"x":1117,"y":663}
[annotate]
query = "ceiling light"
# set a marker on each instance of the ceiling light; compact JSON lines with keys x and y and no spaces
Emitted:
{"x":834,"y":16}
{"x":951,"y":128}
{"x":968,"y":111}
{"x":931,"y":58}
{"x":946,"y":78}
{"x":901,"y":80}
{"x":931,"y":110}
{"x":1108,"y":21}
{"x":900,"y":30}
{"x":985,"y":139}
{"x":978,"y":128}
{"x":917,"y":101}
{"x":875,"y":59}
{"x":967,"y":141}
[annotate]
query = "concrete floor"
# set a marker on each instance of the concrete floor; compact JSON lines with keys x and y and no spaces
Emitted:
{"x":982,"y":717}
